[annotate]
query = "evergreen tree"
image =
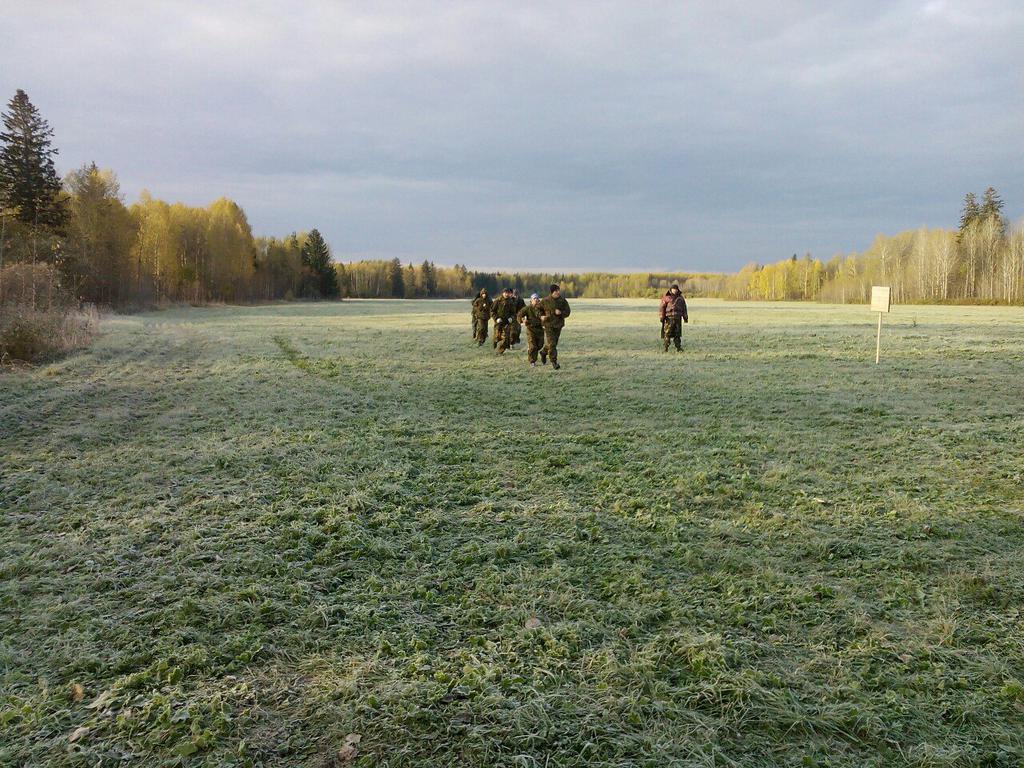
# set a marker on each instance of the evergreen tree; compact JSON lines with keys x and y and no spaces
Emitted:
{"x":992,"y":207}
{"x":329,"y":287}
{"x":29,"y":185}
{"x":429,"y":277}
{"x":970,"y":211}
{"x":991,"y":203}
{"x":316,"y":255}
{"x":395,"y":279}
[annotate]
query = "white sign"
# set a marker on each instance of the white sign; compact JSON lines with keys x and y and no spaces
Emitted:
{"x":880,"y":298}
{"x":880,"y":303}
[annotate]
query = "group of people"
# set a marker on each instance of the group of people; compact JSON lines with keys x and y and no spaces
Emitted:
{"x":545,"y":318}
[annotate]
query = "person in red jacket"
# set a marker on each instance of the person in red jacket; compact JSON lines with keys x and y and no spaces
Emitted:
{"x":673,"y":314}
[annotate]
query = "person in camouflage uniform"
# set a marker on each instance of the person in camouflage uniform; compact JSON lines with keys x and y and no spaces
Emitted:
{"x":673,"y":314}
{"x":554,"y":310}
{"x":504,"y":313}
{"x":481,"y":316}
{"x":516,"y":328}
{"x":530,"y":315}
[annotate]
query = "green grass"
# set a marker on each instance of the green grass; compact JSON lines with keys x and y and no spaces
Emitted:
{"x":234,"y":536}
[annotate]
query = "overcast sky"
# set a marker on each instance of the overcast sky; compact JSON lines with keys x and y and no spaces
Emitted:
{"x":619,"y":135}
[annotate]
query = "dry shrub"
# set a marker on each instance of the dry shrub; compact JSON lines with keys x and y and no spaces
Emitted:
{"x":33,"y":285}
{"x":38,"y":319}
{"x":30,"y":335}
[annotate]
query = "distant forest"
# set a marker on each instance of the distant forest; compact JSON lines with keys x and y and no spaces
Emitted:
{"x":982,"y":261}
{"x":107,"y":253}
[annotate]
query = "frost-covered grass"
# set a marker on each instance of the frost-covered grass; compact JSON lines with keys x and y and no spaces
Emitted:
{"x":239,"y":536}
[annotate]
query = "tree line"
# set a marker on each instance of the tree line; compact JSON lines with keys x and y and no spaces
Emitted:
{"x":982,"y":261}
{"x":391,"y":279}
{"x":110,"y":253}
{"x":106,"y":252}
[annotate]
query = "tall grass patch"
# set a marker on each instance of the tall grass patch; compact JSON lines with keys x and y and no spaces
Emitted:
{"x":39,"y":320}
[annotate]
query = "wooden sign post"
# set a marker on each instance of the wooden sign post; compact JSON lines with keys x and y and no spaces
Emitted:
{"x":880,"y":303}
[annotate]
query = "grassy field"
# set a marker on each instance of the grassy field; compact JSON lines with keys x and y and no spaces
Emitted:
{"x":325,"y":535}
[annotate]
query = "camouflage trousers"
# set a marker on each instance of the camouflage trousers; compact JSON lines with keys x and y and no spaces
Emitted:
{"x":480,"y":329}
{"x":551,"y":342}
{"x":672,"y":331}
{"x":517,"y":331}
{"x":534,"y":342}
{"x":503,"y":334}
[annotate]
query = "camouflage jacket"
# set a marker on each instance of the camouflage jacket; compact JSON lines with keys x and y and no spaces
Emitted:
{"x":503,"y":308}
{"x":482,"y":307}
{"x":530,"y":316}
{"x":673,"y":306}
{"x":548,"y":306}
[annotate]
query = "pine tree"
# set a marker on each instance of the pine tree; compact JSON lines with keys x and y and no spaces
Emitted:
{"x":329,"y":283}
{"x":970,"y":211}
{"x":316,"y":255}
{"x":992,"y":207}
{"x":395,"y":279}
{"x":991,"y":203}
{"x":29,"y":185}
{"x":429,"y":274}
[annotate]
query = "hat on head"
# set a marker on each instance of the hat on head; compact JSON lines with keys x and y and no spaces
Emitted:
{"x":534,"y":296}
{"x":554,"y":287}
{"x":675,"y":287}
{"x":507,"y":290}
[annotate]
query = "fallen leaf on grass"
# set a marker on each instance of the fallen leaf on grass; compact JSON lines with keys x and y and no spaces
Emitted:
{"x":350,"y":751}
{"x":78,"y":733}
{"x":77,"y":692}
{"x":102,"y":700}
{"x":185,"y":749}
{"x":532,"y":623}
